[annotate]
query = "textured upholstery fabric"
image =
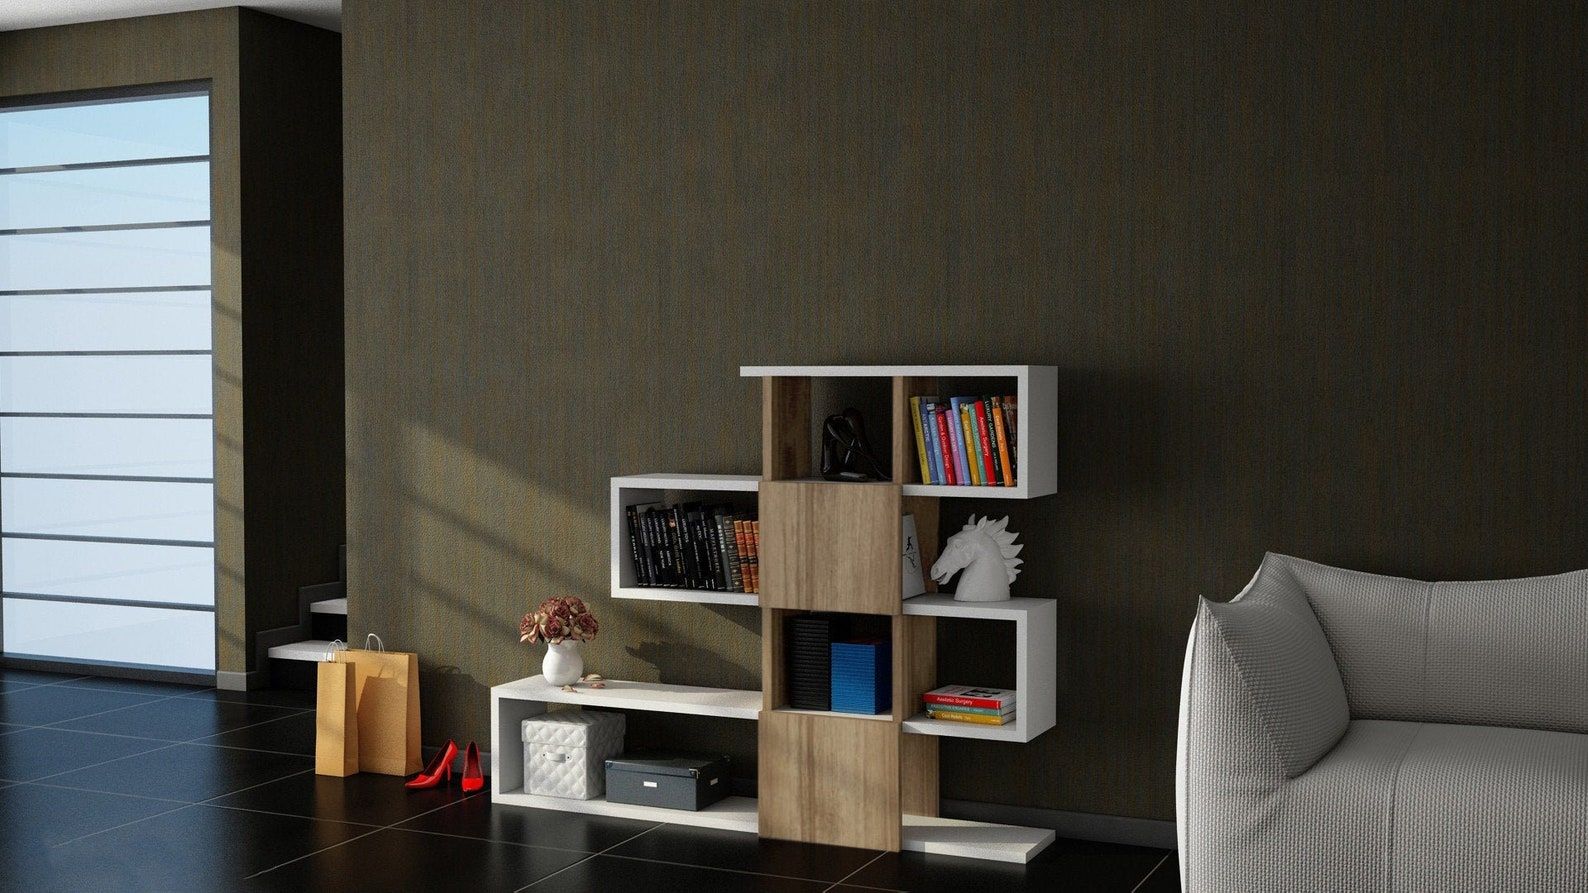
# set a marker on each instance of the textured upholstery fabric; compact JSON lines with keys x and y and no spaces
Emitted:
{"x":1500,"y":652}
{"x":1465,"y":785}
{"x":1285,"y":664}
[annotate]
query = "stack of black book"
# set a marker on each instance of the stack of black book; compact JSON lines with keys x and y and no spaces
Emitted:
{"x":810,"y":661}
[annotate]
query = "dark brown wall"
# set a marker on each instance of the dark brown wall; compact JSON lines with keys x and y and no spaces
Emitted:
{"x":1313,"y":280}
{"x":276,"y":208}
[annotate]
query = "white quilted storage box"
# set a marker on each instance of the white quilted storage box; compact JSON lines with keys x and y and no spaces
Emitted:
{"x":565,"y":752}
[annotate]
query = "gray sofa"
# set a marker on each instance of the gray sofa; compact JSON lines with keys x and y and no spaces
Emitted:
{"x":1347,"y":731}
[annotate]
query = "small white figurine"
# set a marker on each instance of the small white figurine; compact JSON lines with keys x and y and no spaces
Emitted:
{"x":986,"y":551}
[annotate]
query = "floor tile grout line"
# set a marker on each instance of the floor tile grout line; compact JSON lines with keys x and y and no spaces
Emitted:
{"x":57,"y":723}
{"x":88,"y":732}
{"x":533,"y":846}
{"x":785,"y":877}
{"x":259,"y":785}
{"x":280,"y":753}
{"x":588,"y":858}
{"x":167,"y":746}
{"x":125,"y":824}
{"x":840,"y":881}
{"x":374,"y":830}
{"x":1150,"y":872}
{"x":263,"y":722}
{"x":67,"y":787}
{"x":286,"y":815}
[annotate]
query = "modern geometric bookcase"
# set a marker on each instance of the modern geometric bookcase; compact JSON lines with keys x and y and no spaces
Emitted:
{"x":827,"y":777}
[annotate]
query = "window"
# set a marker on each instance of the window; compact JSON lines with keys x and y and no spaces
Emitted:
{"x":106,"y":447}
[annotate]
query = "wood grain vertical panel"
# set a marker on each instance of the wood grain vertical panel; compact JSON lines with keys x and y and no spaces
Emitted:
{"x":785,"y":428}
{"x":774,"y":668}
{"x":830,"y":546}
{"x":830,"y":779}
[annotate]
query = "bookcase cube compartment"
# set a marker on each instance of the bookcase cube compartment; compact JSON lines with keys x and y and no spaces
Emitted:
{"x":641,"y":489}
{"x":1034,"y":622}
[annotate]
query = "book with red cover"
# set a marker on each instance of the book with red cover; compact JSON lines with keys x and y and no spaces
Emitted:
{"x":969,"y":696}
{"x":990,"y":470}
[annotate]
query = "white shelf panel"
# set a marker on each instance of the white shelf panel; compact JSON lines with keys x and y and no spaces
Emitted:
{"x":932,"y":605}
{"x":974,"y":840}
{"x":954,"y":491}
{"x":883,"y":717}
{"x":729,"y":813}
{"x":310,"y":650}
{"x":974,"y":371}
{"x":921,"y":724}
{"x":696,"y":596}
{"x":745,"y":483}
{"x":653,"y":696}
{"x":329,"y":606}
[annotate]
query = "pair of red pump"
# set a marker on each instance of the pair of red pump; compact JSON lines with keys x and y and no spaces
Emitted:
{"x":440,"y":769}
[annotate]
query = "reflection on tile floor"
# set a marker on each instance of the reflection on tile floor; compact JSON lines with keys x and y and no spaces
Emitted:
{"x":115,"y":785}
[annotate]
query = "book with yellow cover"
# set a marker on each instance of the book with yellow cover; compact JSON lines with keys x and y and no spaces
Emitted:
{"x":1003,"y":440}
{"x":981,"y":719}
{"x":920,"y":438}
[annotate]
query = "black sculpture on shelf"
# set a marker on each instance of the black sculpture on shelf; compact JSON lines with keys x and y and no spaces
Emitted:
{"x":846,"y":453}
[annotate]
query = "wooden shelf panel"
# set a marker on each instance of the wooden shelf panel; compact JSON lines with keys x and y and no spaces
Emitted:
{"x":653,"y":696}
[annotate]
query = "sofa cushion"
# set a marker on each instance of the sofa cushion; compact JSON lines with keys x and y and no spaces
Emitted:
{"x":1493,"y":652}
{"x":1284,"y":663}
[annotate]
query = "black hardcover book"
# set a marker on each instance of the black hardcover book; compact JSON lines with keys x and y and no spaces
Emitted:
{"x":675,"y":544}
{"x":697,"y":530}
{"x":719,"y":561}
{"x":655,"y":526}
{"x":642,"y":575}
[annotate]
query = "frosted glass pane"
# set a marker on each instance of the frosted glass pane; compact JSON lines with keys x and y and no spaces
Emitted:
{"x":178,"y":320}
{"x":143,"y":128}
{"x":107,"y":508}
{"x":145,"y":447}
{"x":152,"y":636}
{"x":179,"y":384}
{"x":143,"y":194}
{"x":176,"y":574}
{"x":124,"y":259}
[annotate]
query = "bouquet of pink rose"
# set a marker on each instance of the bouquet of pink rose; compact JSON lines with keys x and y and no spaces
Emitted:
{"x":557,"y":620}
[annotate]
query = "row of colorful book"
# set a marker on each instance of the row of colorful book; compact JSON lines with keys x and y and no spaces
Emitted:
{"x":964,"y":703}
{"x":695,"y":546}
{"x":966,"y":441}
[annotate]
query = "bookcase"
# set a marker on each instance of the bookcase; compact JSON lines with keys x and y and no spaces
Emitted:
{"x":828,"y":777}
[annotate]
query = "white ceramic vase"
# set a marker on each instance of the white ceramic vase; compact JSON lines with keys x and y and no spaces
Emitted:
{"x":563,"y":664}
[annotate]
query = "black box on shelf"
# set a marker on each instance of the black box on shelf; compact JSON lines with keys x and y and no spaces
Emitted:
{"x":669,"y":780}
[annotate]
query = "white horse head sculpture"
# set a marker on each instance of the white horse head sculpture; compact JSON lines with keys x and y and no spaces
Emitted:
{"x":986,"y":551}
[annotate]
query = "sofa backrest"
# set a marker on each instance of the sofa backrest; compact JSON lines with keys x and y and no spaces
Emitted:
{"x":1498,"y":652}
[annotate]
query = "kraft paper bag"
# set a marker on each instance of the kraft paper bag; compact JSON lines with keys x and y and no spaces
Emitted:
{"x":336,"y":720}
{"x":387,"y":687}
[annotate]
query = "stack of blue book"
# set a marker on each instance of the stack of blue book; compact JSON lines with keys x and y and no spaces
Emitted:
{"x":862,"y":677}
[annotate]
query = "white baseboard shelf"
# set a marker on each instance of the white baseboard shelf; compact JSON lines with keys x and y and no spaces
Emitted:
{"x":694,"y":596}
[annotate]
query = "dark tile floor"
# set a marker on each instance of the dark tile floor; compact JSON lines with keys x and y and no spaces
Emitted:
{"x":112,"y":785}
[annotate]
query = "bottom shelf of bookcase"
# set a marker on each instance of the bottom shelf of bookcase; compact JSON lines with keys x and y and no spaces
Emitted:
{"x":921,"y":834}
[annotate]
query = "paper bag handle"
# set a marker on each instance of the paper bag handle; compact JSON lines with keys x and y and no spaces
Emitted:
{"x":379,"y":645}
{"x":335,"y":646}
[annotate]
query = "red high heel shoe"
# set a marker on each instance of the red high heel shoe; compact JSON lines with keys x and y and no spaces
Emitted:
{"x":438,"y":769}
{"x":473,"y":778}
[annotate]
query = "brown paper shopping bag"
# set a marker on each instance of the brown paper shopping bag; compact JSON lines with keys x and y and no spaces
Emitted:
{"x":336,"y":720}
{"x":387,"y":686}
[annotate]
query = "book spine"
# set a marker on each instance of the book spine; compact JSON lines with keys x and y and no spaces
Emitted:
{"x":705,"y":574}
{"x":1003,"y":442}
{"x":708,"y":531}
{"x":979,"y":711}
{"x":920,"y":440}
{"x":934,"y":458}
{"x":1011,"y":422}
{"x":741,"y":531}
{"x":755,"y":552}
{"x":678,"y":546}
{"x":972,"y":454}
{"x":730,"y":551}
{"x":662,"y":545}
{"x":724,"y":554}
{"x":945,"y":452}
{"x":957,"y":701}
{"x":984,"y":435}
{"x":956,"y":444}
{"x":641,"y":574}
{"x":976,"y":718}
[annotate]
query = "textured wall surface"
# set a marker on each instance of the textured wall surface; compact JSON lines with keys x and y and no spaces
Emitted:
{"x":275,"y":191}
{"x":1313,"y":281}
